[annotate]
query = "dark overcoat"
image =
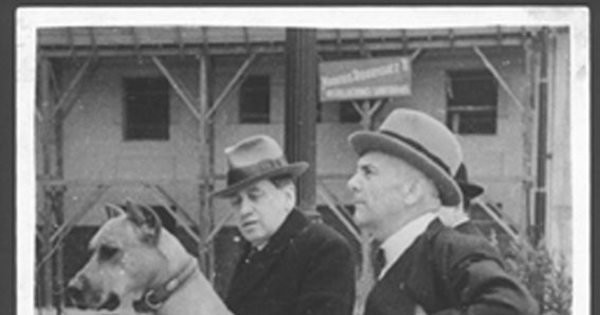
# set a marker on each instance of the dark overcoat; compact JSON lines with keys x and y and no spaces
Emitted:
{"x":447,"y":272}
{"x":306,"y":268}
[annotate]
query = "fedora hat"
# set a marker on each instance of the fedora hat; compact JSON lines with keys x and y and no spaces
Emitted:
{"x":254,"y":159}
{"x":469,"y":190}
{"x":423,"y":142}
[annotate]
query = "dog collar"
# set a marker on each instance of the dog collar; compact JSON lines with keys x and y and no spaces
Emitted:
{"x":154,"y":298}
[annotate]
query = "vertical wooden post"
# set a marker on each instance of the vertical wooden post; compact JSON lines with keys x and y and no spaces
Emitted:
{"x":58,"y":203}
{"x":205,"y":223}
{"x":301,"y":110}
{"x":51,"y":134}
{"x":45,"y":133}
{"x":540,"y":187}
{"x":59,"y":286}
{"x":529,"y":121}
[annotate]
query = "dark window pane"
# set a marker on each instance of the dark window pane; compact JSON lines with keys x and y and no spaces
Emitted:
{"x":255,"y":95}
{"x":472,"y":98}
{"x":146,"y":109}
{"x":348,"y":114}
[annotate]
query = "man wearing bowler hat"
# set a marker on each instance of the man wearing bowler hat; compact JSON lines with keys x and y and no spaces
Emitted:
{"x":404,"y":175}
{"x":290,"y":266}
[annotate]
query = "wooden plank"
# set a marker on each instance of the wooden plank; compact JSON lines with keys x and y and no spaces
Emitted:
{"x":205,"y":218}
{"x":73,"y":85}
{"x":498,"y":77}
{"x":514,"y":236}
{"x":179,"y":88}
{"x":158,"y":188}
{"x":59,"y":287}
{"x":167,"y":205}
{"x":91,"y":200}
{"x":276,"y":47}
{"x":161,"y":36}
{"x":112,"y":182}
{"x":325,"y":194}
{"x":70,"y":102}
{"x":211,"y":236}
{"x":243,"y":70}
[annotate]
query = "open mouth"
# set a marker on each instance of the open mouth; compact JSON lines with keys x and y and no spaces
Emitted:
{"x":111,"y":303}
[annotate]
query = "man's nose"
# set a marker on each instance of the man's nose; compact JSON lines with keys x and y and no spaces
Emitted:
{"x":245,"y":206}
{"x":353,"y":183}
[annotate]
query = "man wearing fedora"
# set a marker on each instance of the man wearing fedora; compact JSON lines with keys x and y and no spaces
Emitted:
{"x":458,"y":216}
{"x":404,"y":175}
{"x":290,"y":265}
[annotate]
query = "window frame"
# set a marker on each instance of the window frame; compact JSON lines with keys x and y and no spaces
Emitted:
{"x":461,"y":118}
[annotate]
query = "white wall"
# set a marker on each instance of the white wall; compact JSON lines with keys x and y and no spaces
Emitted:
{"x":559,"y":210}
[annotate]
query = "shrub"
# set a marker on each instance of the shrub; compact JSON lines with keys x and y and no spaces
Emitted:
{"x":547,"y":278}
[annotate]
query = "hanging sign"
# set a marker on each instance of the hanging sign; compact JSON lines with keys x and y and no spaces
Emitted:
{"x":364,"y":78}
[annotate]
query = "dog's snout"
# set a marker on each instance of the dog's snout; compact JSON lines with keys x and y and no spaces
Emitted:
{"x":75,"y":290}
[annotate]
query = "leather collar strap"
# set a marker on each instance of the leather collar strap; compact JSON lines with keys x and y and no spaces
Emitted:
{"x":154,"y":298}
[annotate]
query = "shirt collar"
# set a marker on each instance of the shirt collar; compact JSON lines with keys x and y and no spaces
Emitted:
{"x":395,"y":245}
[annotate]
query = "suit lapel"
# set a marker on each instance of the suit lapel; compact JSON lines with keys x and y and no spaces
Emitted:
{"x":250,"y":271}
{"x":419,"y":280}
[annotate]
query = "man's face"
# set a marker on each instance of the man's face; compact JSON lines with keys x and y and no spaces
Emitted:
{"x":379,"y":187}
{"x":261,"y":209}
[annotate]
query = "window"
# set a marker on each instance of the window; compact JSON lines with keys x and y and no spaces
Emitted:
{"x":472,"y":98}
{"x":146,"y":109}
{"x":255,"y":97}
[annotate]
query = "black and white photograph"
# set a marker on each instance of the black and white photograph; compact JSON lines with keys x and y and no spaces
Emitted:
{"x":303,"y":160}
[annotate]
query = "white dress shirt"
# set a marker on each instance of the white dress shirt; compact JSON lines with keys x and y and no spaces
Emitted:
{"x":395,"y":245}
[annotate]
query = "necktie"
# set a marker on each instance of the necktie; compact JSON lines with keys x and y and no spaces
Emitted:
{"x":379,"y":262}
{"x":253,"y":250}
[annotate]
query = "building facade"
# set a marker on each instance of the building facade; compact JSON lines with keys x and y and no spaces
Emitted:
{"x":120,"y":115}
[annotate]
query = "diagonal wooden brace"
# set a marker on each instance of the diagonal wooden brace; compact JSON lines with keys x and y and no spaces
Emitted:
{"x":74,"y":84}
{"x":92,"y":199}
{"x":243,"y":70}
{"x":167,"y":205}
{"x":498,"y":77}
{"x":179,"y":88}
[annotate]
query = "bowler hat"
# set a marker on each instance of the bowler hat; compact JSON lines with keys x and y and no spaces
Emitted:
{"x":423,"y":142}
{"x":469,"y":189}
{"x":254,"y":159}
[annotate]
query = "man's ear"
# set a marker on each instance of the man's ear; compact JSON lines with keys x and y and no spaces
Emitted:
{"x":413,"y":191}
{"x":290,"y":195}
{"x":146,"y":219}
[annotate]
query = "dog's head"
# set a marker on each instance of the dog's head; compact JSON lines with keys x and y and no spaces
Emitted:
{"x":125,"y":259}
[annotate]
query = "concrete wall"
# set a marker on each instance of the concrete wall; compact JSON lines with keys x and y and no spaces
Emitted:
{"x":94,"y":148}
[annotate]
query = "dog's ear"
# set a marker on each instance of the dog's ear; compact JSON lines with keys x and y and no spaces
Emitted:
{"x":146,"y":219}
{"x":113,"y":211}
